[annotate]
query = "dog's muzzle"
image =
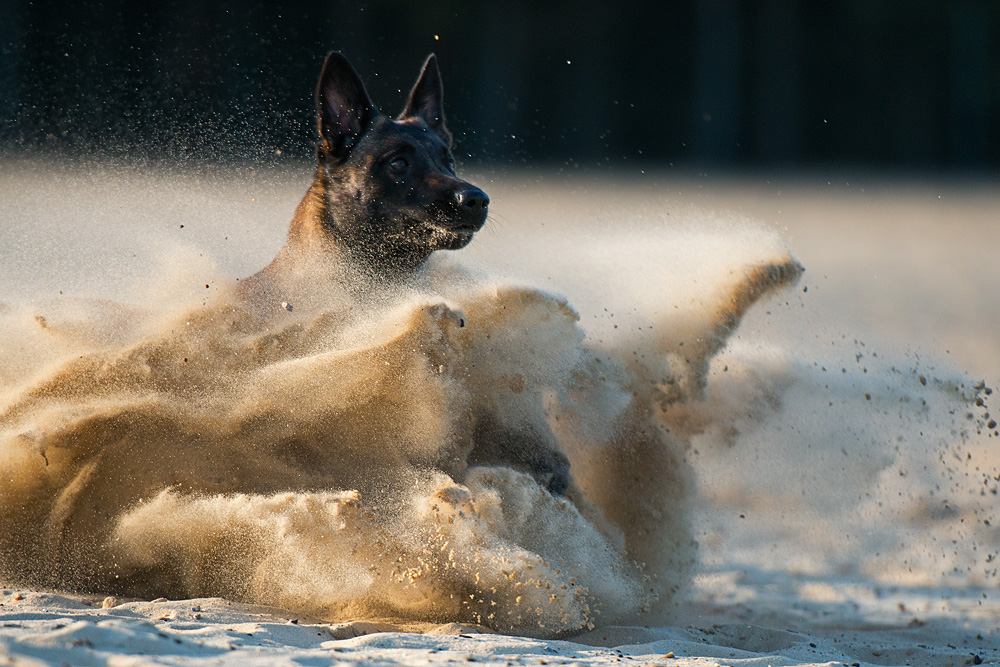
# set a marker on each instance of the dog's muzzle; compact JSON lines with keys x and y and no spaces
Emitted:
{"x":473,"y":199}
{"x":473,"y":207}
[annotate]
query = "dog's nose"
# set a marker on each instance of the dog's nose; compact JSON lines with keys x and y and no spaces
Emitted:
{"x":473,"y":199}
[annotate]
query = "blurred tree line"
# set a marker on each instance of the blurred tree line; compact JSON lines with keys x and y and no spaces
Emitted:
{"x":736,"y":83}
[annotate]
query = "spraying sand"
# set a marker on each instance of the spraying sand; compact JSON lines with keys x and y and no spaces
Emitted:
{"x":161,"y":440}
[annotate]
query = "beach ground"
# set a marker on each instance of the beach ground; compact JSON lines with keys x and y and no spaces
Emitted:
{"x":902,"y":266}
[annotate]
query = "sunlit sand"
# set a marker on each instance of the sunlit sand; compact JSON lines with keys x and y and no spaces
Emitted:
{"x":833,"y":456}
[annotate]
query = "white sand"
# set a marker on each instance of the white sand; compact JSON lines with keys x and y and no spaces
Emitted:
{"x":845,"y":509}
{"x":53,"y":629}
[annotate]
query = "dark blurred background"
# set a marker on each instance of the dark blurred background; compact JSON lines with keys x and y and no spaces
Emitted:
{"x":895,"y":84}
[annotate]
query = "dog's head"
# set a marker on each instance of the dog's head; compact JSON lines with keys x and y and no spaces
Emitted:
{"x":389,"y":184}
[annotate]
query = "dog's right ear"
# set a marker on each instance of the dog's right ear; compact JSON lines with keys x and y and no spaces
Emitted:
{"x":344,"y":109}
{"x":427,"y":100}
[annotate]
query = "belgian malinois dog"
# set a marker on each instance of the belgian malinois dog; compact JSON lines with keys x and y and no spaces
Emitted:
{"x":385,"y":194}
{"x":384,"y":197}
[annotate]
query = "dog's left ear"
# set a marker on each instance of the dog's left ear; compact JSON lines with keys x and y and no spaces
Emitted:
{"x":427,"y":100}
{"x":344,"y":109}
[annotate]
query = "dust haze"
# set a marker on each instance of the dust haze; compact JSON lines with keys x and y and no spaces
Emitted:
{"x":158,"y":440}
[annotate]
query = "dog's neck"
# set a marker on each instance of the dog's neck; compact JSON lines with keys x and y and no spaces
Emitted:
{"x":316,"y":259}
{"x":316,"y":230}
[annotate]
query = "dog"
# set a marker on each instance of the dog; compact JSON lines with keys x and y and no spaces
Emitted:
{"x":385,"y":195}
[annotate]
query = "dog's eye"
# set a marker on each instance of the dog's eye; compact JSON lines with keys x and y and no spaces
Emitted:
{"x":451,"y":165}
{"x":399,"y":165}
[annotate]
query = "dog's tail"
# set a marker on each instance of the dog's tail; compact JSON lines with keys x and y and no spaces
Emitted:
{"x":696,"y":336}
{"x":755,"y":283}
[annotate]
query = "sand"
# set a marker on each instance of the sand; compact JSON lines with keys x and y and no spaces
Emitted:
{"x":843,"y":475}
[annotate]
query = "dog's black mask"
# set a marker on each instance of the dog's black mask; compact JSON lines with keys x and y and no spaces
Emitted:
{"x":390,"y":189}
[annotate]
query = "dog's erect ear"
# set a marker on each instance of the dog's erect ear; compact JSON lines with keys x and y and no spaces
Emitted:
{"x":345,"y":110}
{"x":427,"y":100}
